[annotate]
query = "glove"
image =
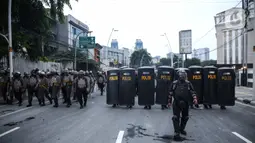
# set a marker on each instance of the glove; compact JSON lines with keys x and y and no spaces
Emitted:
{"x":195,"y":100}
{"x":169,"y":102}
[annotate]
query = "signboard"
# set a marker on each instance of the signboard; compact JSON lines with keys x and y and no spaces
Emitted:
{"x":185,"y":42}
{"x":87,"y":42}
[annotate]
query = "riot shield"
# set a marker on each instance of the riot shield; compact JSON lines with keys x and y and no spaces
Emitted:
{"x":146,"y":86}
{"x":176,"y":73}
{"x":112,"y":93}
{"x":226,"y":86}
{"x":196,"y":78}
{"x":210,"y":85}
{"x":127,"y":86}
{"x":164,"y":80}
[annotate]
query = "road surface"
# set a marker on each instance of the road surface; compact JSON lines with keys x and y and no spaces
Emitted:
{"x":99,"y":123}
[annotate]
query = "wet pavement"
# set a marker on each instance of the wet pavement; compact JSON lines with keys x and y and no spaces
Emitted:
{"x":100,"y":123}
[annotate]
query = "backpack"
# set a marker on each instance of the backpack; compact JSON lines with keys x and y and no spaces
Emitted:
{"x":101,"y":79}
{"x":32,"y":81}
{"x":17,"y":85}
{"x":82,"y":83}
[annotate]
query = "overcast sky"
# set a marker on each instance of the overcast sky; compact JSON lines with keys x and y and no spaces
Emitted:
{"x":148,"y":19}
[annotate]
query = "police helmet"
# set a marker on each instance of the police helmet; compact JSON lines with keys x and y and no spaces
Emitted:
{"x":182,"y":75}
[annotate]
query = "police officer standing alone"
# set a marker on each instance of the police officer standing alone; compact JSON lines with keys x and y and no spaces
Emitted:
{"x":181,"y":90}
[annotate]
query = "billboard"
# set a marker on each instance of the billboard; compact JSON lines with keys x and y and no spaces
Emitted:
{"x":185,"y":42}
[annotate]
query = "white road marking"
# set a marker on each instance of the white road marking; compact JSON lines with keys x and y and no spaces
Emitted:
{"x":15,"y":112}
{"x":7,"y":132}
{"x":120,"y":137}
{"x":241,"y":137}
{"x":244,"y":93}
{"x":245,"y":104}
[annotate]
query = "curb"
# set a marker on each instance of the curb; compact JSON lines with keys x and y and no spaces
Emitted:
{"x":246,"y":101}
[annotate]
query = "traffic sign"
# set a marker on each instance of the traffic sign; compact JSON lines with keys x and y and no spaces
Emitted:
{"x":87,"y":42}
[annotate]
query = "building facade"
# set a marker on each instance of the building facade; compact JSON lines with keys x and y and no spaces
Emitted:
{"x":111,"y":57}
{"x":138,"y":44}
{"x":156,"y":59}
{"x":115,"y":44}
{"x":231,"y":47}
{"x":168,"y":55}
{"x":203,"y":54}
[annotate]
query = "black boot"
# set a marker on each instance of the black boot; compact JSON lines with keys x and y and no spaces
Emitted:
{"x":184,"y":121}
{"x":177,"y":136}
{"x":222,"y":107}
{"x":162,"y":107}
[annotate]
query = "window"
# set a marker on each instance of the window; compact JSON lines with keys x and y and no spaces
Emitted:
{"x":236,"y":47}
{"x":225,"y":47}
{"x":74,"y":30}
{"x":250,"y":75}
{"x":230,"y":46}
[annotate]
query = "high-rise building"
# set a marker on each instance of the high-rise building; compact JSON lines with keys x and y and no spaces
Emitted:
{"x":138,"y":44}
{"x":114,"y":44}
{"x":202,"y":54}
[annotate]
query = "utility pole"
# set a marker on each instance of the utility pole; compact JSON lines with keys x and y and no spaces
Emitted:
{"x":10,"y":37}
{"x":245,"y":6}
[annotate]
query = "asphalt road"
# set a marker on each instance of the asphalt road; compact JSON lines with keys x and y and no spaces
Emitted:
{"x":100,"y":123}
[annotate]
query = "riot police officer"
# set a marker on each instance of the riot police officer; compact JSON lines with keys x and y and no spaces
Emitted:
{"x":32,"y":87}
{"x":18,"y":86}
{"x":101,"y":83}
{"x":181,"y":90}
{"x":82,"y":89}
{"x":43,"y":88}
{"x":55,"y":87}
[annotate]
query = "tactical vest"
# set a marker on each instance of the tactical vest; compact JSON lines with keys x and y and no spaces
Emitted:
{"x":32,"y":81}
{"x":181,"y":92}
{"x":17,"y":85}
{"x":82,"y":83}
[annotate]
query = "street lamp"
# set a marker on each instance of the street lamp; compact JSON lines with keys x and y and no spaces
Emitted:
{"x":75,"y":48}
{"x":113,"y":30}
{"x":169,"y":46}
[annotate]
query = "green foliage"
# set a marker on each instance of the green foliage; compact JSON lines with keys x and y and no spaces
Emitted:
{"x":136,"y":58}
{"x":192,"y":62}
{"x":167,"y":61}
{"x":209,"y":63}
{"x":57,"y":8}
{"x":31,"y":25}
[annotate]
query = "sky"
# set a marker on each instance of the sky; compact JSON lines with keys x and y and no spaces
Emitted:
{"x":149,"y":19}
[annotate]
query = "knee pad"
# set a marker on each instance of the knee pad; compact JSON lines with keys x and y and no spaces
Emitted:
{"x":186,"y":118}
{"x":175,"y":118}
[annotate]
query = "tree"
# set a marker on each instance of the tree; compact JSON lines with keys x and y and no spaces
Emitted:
{"x":57,"y":8}
{"x":191,"y":62}
{"x":140,"y":57}
{"x":165,"y":61}
{"x":209,"y":63}
{"x":31,"y":25}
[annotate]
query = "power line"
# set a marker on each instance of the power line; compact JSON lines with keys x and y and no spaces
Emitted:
{"x":213,"y":26}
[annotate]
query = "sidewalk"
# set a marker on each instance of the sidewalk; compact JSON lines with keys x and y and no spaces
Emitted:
{"x":245,"y":95}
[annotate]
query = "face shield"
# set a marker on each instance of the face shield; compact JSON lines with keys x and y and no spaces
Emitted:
{"x":182,"y":75}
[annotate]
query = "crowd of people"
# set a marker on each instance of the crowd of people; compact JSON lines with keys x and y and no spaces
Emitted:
{"x":71,"y":84}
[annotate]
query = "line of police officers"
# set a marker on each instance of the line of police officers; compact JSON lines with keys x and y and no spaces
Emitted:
{"x":42,"y":84}
{"x":207,"y":85}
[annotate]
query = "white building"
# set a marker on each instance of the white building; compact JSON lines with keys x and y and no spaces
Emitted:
{"x":230,"y":43}
{"x":112,"y":56}
{"x":156,"y":59}
{"x":202,"y":54}
{"x":68,"y":34}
